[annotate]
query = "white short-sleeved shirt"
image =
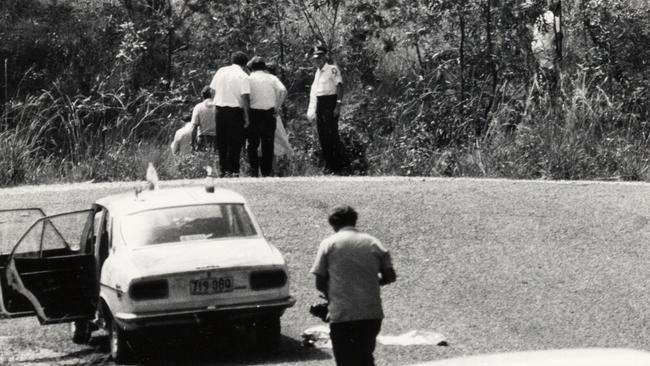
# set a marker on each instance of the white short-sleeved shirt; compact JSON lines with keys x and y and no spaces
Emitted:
{"x":265,"y":89}
{"x":203,"y":116}
{"x":352,"y":261}
{"x":229,"y":84}
{"x":326,"y":80}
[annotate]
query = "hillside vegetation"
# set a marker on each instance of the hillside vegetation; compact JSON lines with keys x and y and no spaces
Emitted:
{"x":93,"y":90}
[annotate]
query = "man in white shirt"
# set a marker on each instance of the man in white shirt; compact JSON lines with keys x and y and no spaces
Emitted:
{"x":325,"y":106}
{"x":350,"y":267}
{"x":203,"y":118}
{"x":266,"y":91}
{"x":232,"y":101}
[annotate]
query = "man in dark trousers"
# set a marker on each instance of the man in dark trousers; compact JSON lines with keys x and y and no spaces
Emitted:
{"x":325,"y":100}
{"x":267,"y":92}
{"x":232,"y":101}
{"x":350,"y":266}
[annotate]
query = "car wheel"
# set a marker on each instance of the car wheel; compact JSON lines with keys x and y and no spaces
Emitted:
{"x":119,"y":344}
{"x":80,"y":330}
{"x":268,"y":333}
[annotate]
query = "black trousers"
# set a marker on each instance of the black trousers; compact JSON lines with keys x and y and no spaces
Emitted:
{"x":261,"y":130}
{"x":328,"y":133}
{"x":230,"y":138}
{"x":354,"y":342}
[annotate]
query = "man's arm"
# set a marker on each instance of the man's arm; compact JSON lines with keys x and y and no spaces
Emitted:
{"x":246,"y":106}
{"x":281,"y":96}
{"x":386,"y":270}
{"x":388,"y":276}
{"x":322,"y":284}
{"x":195,"y":124}
{"x":339,"y":100}
{"x":194,"y":142}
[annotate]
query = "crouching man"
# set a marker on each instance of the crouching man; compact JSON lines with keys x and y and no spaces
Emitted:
{"x":350,"y":266}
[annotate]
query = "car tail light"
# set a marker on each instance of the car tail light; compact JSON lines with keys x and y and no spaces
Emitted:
{"x":147,"y":290}
{"x":262,"y":280}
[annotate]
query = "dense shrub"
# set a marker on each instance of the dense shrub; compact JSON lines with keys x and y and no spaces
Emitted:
{"x":446,"y":88}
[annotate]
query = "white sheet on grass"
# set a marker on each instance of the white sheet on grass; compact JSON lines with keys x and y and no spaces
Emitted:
{"x":414,"y":337}
{"x":319,"y":336}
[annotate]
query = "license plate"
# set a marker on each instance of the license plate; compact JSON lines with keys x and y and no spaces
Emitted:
{"x":211,"y":285}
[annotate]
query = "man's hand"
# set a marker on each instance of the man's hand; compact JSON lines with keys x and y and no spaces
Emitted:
{"x":337,"y":110}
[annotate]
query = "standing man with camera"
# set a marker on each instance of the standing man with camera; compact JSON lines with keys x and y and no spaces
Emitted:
{"x":350,"y":266}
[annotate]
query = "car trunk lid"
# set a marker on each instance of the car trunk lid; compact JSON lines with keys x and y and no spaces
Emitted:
{"x":162,"y":259}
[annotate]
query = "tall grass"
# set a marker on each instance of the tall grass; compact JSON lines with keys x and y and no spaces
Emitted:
{"x":585,"y":134}
{"x":580,"y":133}
{"x":57,"y":137}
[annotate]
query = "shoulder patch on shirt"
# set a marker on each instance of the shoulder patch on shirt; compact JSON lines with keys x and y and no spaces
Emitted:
{"x":335,"y":70}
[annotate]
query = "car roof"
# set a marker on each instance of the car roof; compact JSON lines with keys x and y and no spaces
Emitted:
{"x":127,"y":203}
{"x":560,"y":357}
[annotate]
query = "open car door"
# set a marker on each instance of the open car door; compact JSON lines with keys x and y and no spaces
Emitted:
{"x":13,"y":224}
{"x":51,"y":270}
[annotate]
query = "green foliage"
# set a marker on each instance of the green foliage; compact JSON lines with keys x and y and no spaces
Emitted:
{"x":433,"y":87}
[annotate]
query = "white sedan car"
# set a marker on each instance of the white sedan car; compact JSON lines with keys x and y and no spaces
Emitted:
{"x":161,"y":258}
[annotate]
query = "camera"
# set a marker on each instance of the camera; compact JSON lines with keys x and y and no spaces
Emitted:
{"x":320,"y":311}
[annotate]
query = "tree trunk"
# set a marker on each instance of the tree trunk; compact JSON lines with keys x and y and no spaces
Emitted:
{"x":281,"y":45}
{"x":461,"y":20}
{"x":170,"y":35}
{"x":558,"y":32}
{"x":492,"y":65}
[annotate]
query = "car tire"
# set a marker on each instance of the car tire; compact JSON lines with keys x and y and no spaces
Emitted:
{"x":81,"y":331}
{"x":268,"y":333}
{"x":119,"y":343}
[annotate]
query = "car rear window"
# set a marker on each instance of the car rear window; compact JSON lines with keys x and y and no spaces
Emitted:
{"x":186,"y":224}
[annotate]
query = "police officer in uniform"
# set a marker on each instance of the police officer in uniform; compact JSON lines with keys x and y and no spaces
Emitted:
{"x":325,"y":106}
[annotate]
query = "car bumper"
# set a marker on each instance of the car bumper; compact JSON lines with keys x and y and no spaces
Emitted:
{"x":134,"y":321}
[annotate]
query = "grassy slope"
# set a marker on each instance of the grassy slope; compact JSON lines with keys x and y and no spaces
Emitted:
{"x":493,"y":265}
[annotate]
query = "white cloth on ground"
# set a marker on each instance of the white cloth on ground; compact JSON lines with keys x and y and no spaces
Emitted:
{"x":281,"y":145}
{"x":414,"y":337}
{"x":319,"y":336}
